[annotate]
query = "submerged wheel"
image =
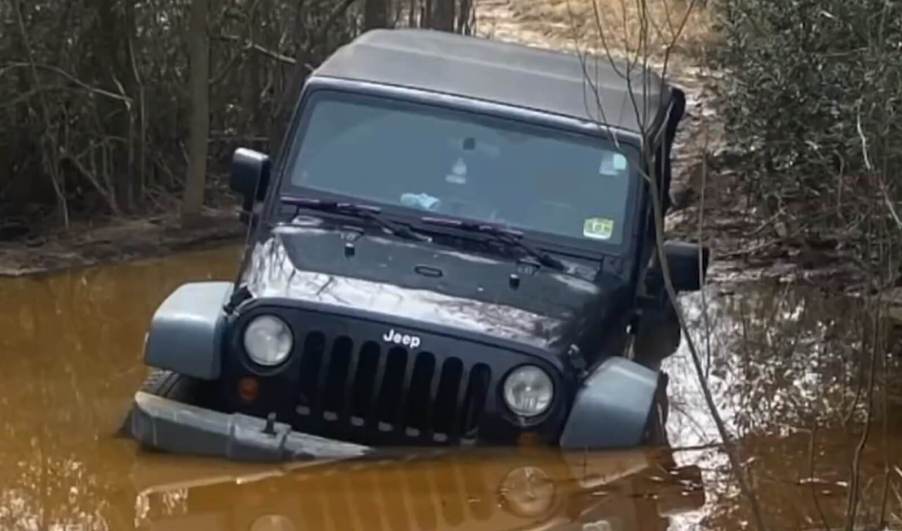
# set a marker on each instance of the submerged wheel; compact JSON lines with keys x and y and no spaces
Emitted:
{"x":658,"y":336}
{"x":174,"y":386}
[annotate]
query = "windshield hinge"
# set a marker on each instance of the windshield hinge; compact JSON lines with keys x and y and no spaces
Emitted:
{"x":576,"y":360}
{"x":238,"y":296}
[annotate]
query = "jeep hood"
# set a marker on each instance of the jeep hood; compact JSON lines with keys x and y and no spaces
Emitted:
{"x":437,"y":286}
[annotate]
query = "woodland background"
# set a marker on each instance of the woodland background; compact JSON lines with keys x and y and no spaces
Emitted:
{"x":113,"y":109}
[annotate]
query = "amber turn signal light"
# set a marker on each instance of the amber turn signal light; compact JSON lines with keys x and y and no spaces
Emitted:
{"x":248,"y":388}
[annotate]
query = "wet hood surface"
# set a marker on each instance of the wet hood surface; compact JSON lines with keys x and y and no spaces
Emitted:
{"x":459,"y":290}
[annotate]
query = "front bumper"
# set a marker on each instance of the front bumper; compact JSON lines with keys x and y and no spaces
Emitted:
{"x":176,"y":427}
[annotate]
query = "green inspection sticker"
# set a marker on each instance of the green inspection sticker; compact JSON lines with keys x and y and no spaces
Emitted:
{"x":598,"y":228}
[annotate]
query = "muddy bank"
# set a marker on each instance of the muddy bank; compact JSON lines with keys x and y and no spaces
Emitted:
{"x":117,"y":241}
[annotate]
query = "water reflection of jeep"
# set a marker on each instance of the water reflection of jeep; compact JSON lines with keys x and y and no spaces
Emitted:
{"x":611,"y":491}
{"x":453,"y":247}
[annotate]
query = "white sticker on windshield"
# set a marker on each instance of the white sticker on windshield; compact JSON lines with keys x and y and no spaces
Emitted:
{"x":612,"y":164}
{"x":598,"y":228}
{"x":458,"y":173}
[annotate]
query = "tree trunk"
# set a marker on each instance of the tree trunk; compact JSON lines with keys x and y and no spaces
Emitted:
{"x":442,"y":15}
{"x":199,"y":51}
{"x":463,"y":18}
{"x":285,"y":102}
{"x":375,"y":14}
{"x":132,"y":119}
{"x":412,"y":13}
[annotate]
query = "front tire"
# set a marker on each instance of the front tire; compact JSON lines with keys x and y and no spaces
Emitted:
{"x":657,"y":336}
{"x":174,"y":386}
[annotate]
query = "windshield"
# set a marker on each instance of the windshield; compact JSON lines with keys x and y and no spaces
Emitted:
{"x":454,"y":163}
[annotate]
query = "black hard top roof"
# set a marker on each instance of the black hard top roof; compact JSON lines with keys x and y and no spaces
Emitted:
{"x":500,"y":72}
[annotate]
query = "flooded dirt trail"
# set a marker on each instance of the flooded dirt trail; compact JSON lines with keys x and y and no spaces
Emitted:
{"x":72,"y":348}
{"x":785,"y":368}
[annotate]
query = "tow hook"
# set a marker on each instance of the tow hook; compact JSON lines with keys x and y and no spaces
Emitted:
{"x":270,"y":427}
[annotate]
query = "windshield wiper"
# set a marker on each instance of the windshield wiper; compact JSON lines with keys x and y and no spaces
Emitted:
{"x":510,"y":237}
{"x":368,"y":212}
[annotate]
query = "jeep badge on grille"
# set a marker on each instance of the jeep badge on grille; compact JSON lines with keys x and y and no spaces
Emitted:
{"x":401,"y":339}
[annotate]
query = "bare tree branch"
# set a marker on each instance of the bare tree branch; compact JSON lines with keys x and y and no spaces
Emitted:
{"x":67,"y":75}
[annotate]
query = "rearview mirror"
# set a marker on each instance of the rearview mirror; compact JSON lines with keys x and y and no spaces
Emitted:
{"x":250,"y":176}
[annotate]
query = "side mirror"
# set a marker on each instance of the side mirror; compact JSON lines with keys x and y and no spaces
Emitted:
{"x":250,"y":176}
{"x":683,"y":261}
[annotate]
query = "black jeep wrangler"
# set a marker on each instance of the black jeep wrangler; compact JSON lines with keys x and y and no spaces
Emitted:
{"x":455,"y":246}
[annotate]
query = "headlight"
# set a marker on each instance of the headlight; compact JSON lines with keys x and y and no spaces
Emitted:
{"x":528,"y":391}
{"x":268,"y":340}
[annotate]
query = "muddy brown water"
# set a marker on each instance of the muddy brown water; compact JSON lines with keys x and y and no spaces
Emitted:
{"x":785,"y":367}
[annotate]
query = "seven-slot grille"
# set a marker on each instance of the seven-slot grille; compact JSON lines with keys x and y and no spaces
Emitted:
{"x":362,"y":388}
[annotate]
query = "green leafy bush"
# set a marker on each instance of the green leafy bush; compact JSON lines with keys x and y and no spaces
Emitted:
{"x":814,"y":102}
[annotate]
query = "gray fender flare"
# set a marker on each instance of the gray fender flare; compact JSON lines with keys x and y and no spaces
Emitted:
{"x":612,"y":407}
{"x":187,"y":329}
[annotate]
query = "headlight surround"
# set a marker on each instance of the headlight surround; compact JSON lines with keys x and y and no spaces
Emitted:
{"x":268,"y":340}
{"x":528,"y":391}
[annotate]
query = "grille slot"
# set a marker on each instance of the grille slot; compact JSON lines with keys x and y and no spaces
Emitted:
{"x":311,"y":361}
{"x":335,"y":378}
{"x":419,"y":397}
{"x":360,"y":388}
{"x":444,"y":410}
{"x":363,"y":385}
{"x":391,"y":391}
{"x":474,"y":399}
